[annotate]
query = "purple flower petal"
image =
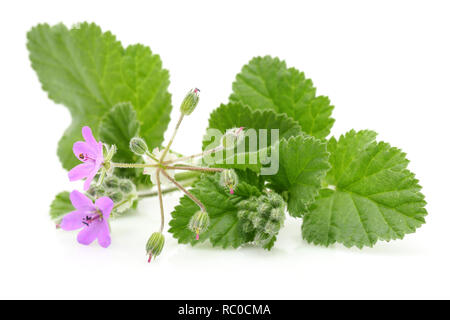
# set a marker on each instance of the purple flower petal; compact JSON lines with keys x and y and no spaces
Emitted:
{"x":99,"y":152}
{"x":87,"y":135}
{"x":88,"y":234}
{"x":91,"y":176}
{"x":105,"y":205}
{"x":81,"y":202}
{"x":72,"y":221}
{"x":84,"y":151}
{"x":103,"y":236}
{"x":81,"y":171}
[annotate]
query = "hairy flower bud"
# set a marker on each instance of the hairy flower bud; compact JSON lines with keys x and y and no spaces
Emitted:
{"x":116,"y":196}
{"x":229,"y":179}
{"x":154,"y":245}
{"x":138,"y":146}
{"x":111,"y":182}
{"x":199,"y":222}
{"x":126,"y":186}
{"x":96,"y":191}
{"x":190,"y":101}
{"x":232,"y":137}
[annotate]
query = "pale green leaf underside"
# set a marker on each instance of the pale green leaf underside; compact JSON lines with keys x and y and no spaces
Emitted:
{"x":89,"y":71}
{"x":60,"y":206}
{"x":372,"y":195}
{"x":266,"y":83}
{"x":303,"y":164}
{"x":224,"y":229}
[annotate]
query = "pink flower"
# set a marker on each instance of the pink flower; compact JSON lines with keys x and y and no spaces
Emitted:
{"x":91,"y":154}
{"x":93,"y":218}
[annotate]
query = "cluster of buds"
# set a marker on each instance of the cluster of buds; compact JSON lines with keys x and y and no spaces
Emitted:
{"x":261,"y":218}
{"x":120,"y":190}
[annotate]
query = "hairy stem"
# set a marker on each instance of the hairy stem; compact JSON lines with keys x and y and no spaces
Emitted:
{"x":171,"y":139}
{"x":148,"y":194}
{"x":158,"y":183}
{"x":194,"y":156}
{"x":133,"y":165}
{"x":179,"y":186}
{"x":191,"y":168}
{"x":120,"y":204}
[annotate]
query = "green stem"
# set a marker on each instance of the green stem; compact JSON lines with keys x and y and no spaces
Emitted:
{"x":179,"y":186}
{"x":120,"y":204}
{"x":190,"y":168}
{"x":171,"y":139}
{"x":133,"y":165}
{"x":194,"y":155}
{"x":158,"y":184}
{"x":148,"y":194}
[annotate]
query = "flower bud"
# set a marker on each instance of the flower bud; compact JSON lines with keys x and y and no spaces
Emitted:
{"x":277,"y":214}
{"x":242,"y":214}
{"x":199,"y":222}
{"x":154,"y":245}
{"x":116,"y":196}
{"x":232,"y":137}
{"x":190,"y":101}
{"x":229,"y":179}
{"x":96,"y":191}
{"x":138,"y":146}
{"x":262,"y":239}
{"x":272,"y":228}
{"x":126,"y":186}
{"x":111,"y":182}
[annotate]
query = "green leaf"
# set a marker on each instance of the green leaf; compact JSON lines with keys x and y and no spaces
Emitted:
{"x":118,"y":127}
{"x":61,"y":206}
{"x":224,"y":229}
{"x":89,"y":71}
{"x":235,"y":115}
{"x":303,"y":164}
{"x":371,"y":195}
{"x":266,"y":83}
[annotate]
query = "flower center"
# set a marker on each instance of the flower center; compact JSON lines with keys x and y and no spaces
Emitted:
{"x":84,"y":157}
{"x":87,"y":220}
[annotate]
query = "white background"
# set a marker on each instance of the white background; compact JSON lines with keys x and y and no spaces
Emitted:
{"x":385,"y":66}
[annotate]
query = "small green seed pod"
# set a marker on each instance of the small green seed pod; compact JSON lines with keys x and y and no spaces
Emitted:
{"x":199,"y":223}
{"x":229,"y":179}
{"x":190,"y":101}
{"x":154,"y":245}
{"x":138,"y":146}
